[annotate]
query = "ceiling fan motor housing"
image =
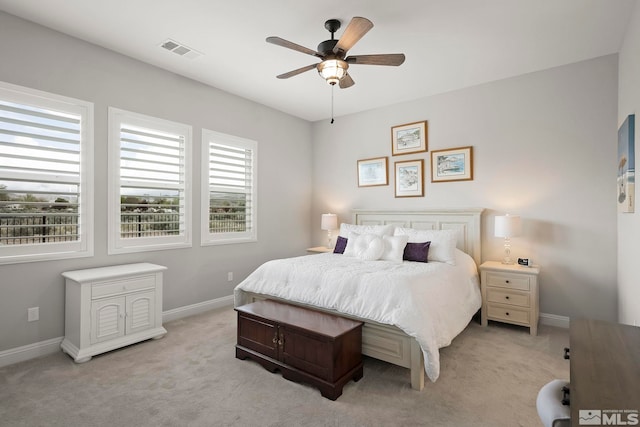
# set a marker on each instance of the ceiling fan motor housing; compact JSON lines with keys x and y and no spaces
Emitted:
{"x":326,"y":47}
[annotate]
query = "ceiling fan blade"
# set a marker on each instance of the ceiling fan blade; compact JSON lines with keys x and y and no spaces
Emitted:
{"x":356,"y":29}
{"x":290,"y":45}
{"x":296,"y":72}
{"x":346,"y":81}
{"x":394,"y":59}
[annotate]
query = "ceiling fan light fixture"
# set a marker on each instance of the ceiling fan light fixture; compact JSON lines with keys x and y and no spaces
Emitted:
{"x":333,"y":70}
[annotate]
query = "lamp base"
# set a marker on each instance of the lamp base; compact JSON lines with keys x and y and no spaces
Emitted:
{"x":507,"y":252}
{"x":329,"y":245}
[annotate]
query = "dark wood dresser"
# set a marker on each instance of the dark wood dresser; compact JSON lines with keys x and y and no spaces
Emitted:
{"x":305,"y":345}
{"x":605,"y":373}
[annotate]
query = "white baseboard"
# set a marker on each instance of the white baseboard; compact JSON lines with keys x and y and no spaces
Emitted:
{"x":201,"y":307}
{"x":554,"y":320}
{"x":43,"y":348}
{"x":29,"y":351}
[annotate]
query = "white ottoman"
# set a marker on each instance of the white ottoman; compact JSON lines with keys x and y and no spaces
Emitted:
{"x":551,"y":411}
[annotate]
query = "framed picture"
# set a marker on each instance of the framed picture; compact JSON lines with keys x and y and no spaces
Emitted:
{"x":626,"y":165}
{"x":409,"y":138}
{"x":372,"y":172}
{"x":453,"y":164}
{"x":409,"y":178}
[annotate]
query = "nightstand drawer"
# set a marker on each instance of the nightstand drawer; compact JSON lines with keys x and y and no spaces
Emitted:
{"x":505,"y":296}
{"x":512,"y":281}
{"x":508,"y":314}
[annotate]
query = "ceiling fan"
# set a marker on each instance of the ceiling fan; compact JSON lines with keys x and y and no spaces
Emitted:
{"x":334,"y":65}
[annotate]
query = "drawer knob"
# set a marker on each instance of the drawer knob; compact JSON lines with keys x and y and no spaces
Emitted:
{"x":507,"y":313}
{"x":506,"y":281}
{"x":507,"y":297}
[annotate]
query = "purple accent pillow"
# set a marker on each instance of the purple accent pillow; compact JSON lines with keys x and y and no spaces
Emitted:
{"x":416,"y":252}
{"x":341,"y":244}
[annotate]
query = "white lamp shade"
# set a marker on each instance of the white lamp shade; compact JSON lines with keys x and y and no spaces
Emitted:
{"x":507,"y":226}
{"x":329,"y":222}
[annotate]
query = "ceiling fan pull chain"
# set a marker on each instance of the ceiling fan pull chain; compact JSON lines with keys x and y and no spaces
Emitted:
{"x":332,"y":86}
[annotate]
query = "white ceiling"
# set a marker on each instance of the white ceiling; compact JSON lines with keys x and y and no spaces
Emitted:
{"x":449,"y":44}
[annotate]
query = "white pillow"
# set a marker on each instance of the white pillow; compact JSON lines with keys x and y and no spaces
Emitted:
{"x":394,"y":247}
{"x":378,"y":230}
{"x":443,"y":242}
{"x":367,"y":247}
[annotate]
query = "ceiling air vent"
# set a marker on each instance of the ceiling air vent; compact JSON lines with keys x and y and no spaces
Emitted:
{"x":180,"y":49}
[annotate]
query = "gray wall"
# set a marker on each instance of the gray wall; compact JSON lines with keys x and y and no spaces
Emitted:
{"x":545,"y":148}
{"x":629,"y":223}
{"x":39,"y":58}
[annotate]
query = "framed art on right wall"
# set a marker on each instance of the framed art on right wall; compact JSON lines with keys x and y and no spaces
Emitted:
{"x":452,"y":164}
{"x":626,"y":165}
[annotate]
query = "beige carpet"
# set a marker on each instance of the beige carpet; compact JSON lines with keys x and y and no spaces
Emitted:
{"x":489,"y":377}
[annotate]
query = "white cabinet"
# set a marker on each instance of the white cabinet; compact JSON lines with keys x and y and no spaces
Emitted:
{"x":111,"y":307}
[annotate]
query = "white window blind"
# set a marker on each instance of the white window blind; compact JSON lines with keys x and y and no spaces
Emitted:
{"x":45,"y":187}
{"x":228,"y":189}
{"x":150,"y":197}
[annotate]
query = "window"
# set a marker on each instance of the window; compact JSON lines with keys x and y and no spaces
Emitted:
{"x":46,"y":144}
{"x":150,"y":183}
{"x":228,"y":189}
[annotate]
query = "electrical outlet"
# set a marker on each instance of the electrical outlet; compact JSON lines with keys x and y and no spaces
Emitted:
{"x":230,"y":276}
{"x":33,"y":314}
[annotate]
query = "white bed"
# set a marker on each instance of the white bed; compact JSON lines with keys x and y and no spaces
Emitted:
{"x":407,"y":319}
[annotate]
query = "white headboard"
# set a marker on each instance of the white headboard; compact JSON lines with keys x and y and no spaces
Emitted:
{"x":465,"y":221}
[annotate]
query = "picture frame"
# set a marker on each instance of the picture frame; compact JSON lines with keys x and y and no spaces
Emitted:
{"x":373,"y":172}
{"x":409,"y":138}
{"x":626,"y":166}
{"x":409,"y":178}
{"x":452,"y":164}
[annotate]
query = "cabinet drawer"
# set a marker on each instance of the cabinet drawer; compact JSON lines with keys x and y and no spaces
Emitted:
{"x":513,"y":281}
{"x":115,"y":287}
{"x":507,"y":296}
{"x":508,"y":314}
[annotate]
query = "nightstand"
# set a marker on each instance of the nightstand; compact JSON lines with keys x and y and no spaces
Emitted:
{"x":320,"y":250}
{"x":510,"y":294}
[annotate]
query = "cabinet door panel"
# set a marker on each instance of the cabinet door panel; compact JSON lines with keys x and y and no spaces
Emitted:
{"x":306,"y":353}
{"x":107,"y":319}
{"x":258,"y":335}
{"x":140,"y":312}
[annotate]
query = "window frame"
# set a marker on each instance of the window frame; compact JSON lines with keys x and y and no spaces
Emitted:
{"x":83,"y":247}
{"x":206,"y":237}
{"x":117,"y":244}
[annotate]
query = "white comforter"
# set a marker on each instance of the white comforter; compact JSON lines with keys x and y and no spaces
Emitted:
{"x":432,"y":302}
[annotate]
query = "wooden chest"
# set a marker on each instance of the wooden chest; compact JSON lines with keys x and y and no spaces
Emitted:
{"x":305,"y":345}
